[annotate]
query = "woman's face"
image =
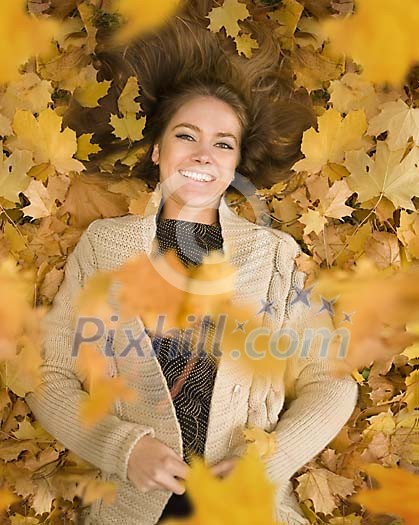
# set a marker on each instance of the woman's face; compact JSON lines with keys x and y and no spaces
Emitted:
{"x":197,"y":155}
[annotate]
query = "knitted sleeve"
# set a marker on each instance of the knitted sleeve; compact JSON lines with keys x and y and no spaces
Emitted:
{"x":55,"y":403}
{"x":320,"y":403}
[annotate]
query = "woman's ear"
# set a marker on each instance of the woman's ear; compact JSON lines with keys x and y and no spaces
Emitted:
{"x":156,"y":154}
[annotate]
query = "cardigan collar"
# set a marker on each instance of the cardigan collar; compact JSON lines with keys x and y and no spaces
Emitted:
{"x":233,"y":227}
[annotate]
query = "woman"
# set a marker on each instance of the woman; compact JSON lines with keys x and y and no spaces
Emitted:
{"x":200,"y":133}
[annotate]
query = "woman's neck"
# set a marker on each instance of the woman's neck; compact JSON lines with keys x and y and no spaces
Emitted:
{"x":171,"y":210}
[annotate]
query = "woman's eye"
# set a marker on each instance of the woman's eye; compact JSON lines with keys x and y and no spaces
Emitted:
{"x":181,"y":135}
{"x":225,"y":144}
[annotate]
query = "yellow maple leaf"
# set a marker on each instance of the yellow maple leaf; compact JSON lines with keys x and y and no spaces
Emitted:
{"x":264,"y":442}
{"x":13,"y":173}
{"x":245,"y":43}
{"x":148,"y":284}
{"x":227,"y":16}
{"x":102,"y":389}
{"x":313,"y":68}
{"x":401,"y":122}
{"x":90,"y":93}
{"x":7,"y":498}
{"x":92,"y":299}
{"x":244,"y":497}
{"x":143,"y":17}
{"x":368,"y":332}
{"x":287,"y":15}
{"x":396,"y":495}
{"x":16,"y":290}
{"x":85,"y":147}
{"x":352,"y":92}
{"x":27,"y":92}
{"x":313,"y":220}
{"x":128,"y":127}
{"x":43,"y":136}
{"x":387,"y":175}
{"x":334,"y":137}
{"x":42,"y":204}
{"x":321,"y":486}
{"x":21,"y":36}
{"x":96,"y":488}
{"x":411,"y":397}
{"x":386,"y":53}
{"x":126,"y":100}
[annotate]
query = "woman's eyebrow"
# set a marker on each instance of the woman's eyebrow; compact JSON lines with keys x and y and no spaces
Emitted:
{"x":196,"y":128}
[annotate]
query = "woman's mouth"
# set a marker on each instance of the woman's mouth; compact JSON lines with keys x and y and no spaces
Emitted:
{"x":197,"y":176}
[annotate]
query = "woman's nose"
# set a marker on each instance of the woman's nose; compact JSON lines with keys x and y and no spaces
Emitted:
{"x":202,"y":153}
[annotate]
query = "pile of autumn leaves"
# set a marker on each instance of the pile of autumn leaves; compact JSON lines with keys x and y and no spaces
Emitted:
{"x":355,"y":210}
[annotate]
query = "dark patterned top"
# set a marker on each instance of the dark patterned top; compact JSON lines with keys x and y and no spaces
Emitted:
{"x":190,"y":381}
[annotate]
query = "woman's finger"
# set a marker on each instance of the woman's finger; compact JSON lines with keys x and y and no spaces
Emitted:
{"x":223,"y":468}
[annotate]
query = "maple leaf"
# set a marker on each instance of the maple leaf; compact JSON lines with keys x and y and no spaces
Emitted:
{"x":85,"y":147}
{"x":15,"y":288}
{"x":28,"y":92}
{"x":7,"y":498}
{"x":388,"y":52}
{"x":313,"y":69}
{"x":43,"y":136}
{"x":141,"y":18}
{"x":227,"y":16}
{"x":353,"y":92}
{"x":400,"y":121}
{"x":103,"y":390}
{"x":14,"y":174}
{"x":126,"y":100}
{"x":287,"y":15}
{"x":20,"y":519}
{"x":396,"y":495}
{"x":88,"y":199}
{"x":321,"y":486}
{"x":408,"y":233}
{"x":264,"y":442}
{"x":411,"y":397}
{"x":95,"y":489}
{"x":386,"y":175}
{"x":91,"y":92}
{"x":92,"y":299}
{"x":22,"y":36}
{"x":42,"y":205}
{"x":334,"y":137}
{"x":313,"y":220}
{"x":245,"y":43}
{"x":244,"y":497}
{"x":373,"y":333}
{"x":149,"y":284}
{"x":128,"y":127}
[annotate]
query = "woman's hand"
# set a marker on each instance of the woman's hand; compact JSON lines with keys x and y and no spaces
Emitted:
{"x":153,"y":465}
{"x":224,"y":467}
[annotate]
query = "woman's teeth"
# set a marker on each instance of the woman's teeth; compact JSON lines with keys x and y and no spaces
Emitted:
{"x":202,"y":177}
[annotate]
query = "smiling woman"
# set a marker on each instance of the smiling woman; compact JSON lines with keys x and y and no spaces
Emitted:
{"x":196,"y":167}
{"x":213,"y":120}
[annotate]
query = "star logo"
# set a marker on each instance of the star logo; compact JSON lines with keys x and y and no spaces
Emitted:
{"x":328,"y":305}
{"x":266,"y":307}
{"x":239,"y":326}
{"x":347,"y":317}
{"x":302,"y":296}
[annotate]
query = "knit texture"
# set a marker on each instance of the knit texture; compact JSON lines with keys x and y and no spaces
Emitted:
{"x":319,"y":404}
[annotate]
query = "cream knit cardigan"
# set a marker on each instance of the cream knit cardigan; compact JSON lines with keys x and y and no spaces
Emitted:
{"x":319,"y":404}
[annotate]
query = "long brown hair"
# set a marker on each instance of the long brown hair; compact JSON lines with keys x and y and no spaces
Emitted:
{"x":185,"y":59}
